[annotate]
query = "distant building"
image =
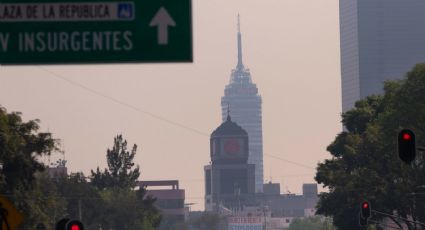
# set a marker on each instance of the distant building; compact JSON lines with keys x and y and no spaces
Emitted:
{"x":290,"y":205}
{"x":271,"y":188}
{"x":58,"y":171}
{"x":273,"y":210}
{"x":170,"y":201}
{"x":241,"y":95}
{"x":310,"y":190}
{"x":229,"y":179}
{"x":380,"y":40}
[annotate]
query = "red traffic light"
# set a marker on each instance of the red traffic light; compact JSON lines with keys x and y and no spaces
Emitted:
{"x":67,"y":224}
{"x":365,"y":210}
{"x":74,"y":225}
{"x":406,"y":145}
{"x":407,"y":137}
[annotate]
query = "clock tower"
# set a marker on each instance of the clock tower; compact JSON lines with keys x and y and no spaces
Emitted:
{"x":229,"y":179}
{"x":229,"y":144}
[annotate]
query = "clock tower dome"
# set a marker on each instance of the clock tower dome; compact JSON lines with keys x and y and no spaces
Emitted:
{"x":229,"y":144}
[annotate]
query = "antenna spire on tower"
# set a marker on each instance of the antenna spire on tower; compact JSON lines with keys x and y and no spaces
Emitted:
{"x":240,"y":65}
{"x":239,"y":24}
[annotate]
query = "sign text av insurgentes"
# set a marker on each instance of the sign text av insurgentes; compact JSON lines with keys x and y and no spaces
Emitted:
{"x":95,"y":32}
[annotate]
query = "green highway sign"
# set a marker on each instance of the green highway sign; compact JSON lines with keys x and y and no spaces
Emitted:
{"x":92,"y":31}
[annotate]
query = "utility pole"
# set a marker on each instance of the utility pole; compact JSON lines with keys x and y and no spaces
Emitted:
{"x":80,"y":216}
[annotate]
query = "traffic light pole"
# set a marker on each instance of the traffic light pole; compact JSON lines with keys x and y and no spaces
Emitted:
{"x":79,"y":209}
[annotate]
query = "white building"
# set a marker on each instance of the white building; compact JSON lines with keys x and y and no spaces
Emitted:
{"x":242,"y":99}
{"x":380,"y":40}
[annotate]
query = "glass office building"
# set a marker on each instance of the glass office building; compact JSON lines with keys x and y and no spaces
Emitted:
{"x":242,"y":100}
{"x":380,"y":40}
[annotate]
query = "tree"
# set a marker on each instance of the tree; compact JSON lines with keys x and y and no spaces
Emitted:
{"x":120,"y":172}
{"x":365,"y":163}
{"x":125,"y":207}
{"x":43,"y":203}
{"x":20,"y":146}
{"x":21,"y":177}
{"x":84,"y":202}
{"x":128,"y":209}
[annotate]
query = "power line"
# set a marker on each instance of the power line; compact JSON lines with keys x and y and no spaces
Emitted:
{"x":134,"y":108}
{"x":289,"y":161}
{"x":122,"y":103}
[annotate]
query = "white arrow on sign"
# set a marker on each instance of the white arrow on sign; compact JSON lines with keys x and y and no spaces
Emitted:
{"x":162,"y":19}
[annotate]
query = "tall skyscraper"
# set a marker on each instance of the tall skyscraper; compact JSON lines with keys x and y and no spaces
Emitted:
{"x":380,"y":40}
{"x":242,"y":99}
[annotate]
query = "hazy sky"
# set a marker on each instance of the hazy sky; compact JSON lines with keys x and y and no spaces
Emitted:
{"x":291,"y":48}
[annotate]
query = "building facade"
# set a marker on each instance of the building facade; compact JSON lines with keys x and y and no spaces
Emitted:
{"x":275,"y":211}
{"x":289,"y":206}
{"x":380,"y":40}
{"x":170,"y":198}
{"x":229,"y":179}
{"x":241,"y":96}
{"x":58,"y":171}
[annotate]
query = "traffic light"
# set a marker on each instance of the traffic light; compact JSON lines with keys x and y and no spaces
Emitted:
{"x":365,"y":210}
{"x":74,"y":225}
{"x":362,"y":221}
{"x":406,"y":145}
{"x":67,"y":224}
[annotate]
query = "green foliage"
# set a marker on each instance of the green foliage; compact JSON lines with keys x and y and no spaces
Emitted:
{"x":125,"y":210}
{"x":108,"y":201}
{"x":42,"y":204}
{"x":20,"y":179}
{"x":112,"y":208}
{"x":83,"y":200}
{"x":123,"y":207}
{"x":120,"y":172}
{"x":20,"y":146}
{"x":365,"y":163}
{"x":312,"y":223}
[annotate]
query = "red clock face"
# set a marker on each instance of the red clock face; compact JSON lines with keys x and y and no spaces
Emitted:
{"x":232,"y":146}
